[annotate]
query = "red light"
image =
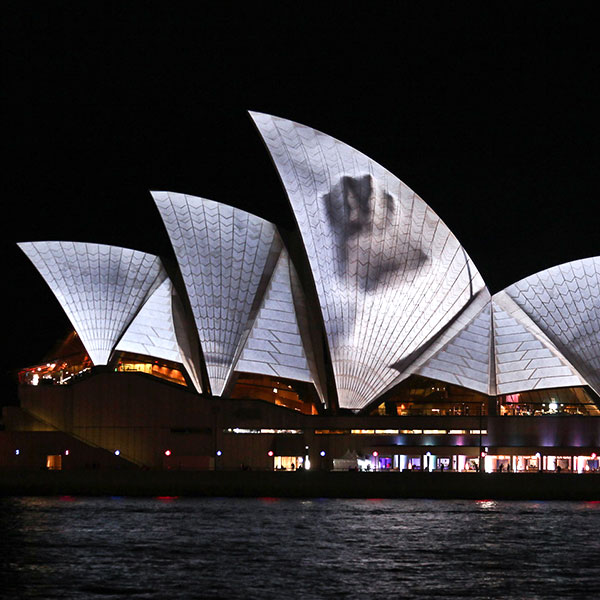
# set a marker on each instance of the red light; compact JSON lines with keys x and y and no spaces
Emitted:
{"x":270,"y":453}
{"x":167,"y":453}
{"x":375,"y":454}
{"x":594,"y":455}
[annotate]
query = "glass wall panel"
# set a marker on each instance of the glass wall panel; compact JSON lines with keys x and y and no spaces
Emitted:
{"x":296,"y":395}
{"x":420,"y":396}
{"x":560,"y":401}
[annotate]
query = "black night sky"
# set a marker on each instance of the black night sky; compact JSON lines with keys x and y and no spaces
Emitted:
{"x":487,"y":110}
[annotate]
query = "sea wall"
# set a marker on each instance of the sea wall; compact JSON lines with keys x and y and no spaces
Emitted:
{"x":311,"y":484}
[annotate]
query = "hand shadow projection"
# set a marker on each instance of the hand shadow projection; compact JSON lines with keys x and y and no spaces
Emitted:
{"x":365,"y":220}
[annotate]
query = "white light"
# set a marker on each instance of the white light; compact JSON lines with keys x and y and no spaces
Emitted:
{"x":117,"y":452}
{"x":553,"y":406}
{"x":322,"y":452}
{"x":274,"y":390}
{"x":17,"y":452}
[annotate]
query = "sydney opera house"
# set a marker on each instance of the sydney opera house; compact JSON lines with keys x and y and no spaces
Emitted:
{"x":366,"y":339}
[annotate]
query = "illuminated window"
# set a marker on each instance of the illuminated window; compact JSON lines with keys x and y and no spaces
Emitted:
{"x":241,"y":430}
{"x":54,"y":462}
{"x":331,"y":431}
{"x":287,"y":463}
{"x":537,"y":403}
{"x":420,"y":396}
{"x":162,"y":371}
{"x":299,"y":396}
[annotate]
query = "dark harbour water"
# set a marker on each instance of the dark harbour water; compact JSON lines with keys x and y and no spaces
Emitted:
{"x":275,"y":548}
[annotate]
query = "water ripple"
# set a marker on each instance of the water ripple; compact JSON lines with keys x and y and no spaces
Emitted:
{"x":270,"y":548}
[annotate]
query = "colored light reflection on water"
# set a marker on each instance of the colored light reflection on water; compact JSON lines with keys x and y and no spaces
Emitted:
{"x":286,"y":548}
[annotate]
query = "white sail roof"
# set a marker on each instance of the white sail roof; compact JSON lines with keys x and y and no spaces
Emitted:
{"x":101,"y":288}
{"x":564,"y":303}
{"x":389,"y":274}
{"x":398,"y":294}
{"x":275,"y":345}
{"x":525,"y":359}
{"x":465,"y":355}
{"x":153,"y":333}
{"x":226,"y":257}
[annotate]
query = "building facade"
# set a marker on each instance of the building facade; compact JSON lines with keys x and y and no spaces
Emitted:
{"x":367,"y":341}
